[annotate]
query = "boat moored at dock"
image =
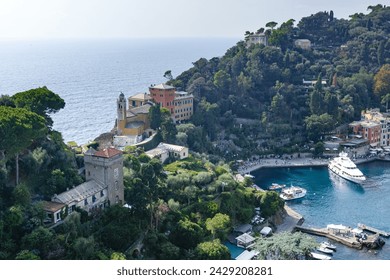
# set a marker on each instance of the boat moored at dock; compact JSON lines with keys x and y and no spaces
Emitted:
{"x":329,"y":245}
{"x":323,"y":249}
{"x":318,"y":256}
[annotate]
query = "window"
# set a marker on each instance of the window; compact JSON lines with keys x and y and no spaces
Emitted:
{"x":93,"y":198}
{"x":71,"y":209}
{"x":85,"y":202}
{"x":58,"y":216}
{"x":101,"y":193}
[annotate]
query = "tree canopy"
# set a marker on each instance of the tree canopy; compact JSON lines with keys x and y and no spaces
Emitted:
{"x":41,"y":101}
{"x":285,"y":246}
{"x":19,"y":128}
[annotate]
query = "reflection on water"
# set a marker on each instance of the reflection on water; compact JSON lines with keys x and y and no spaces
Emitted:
{"x":342,"y":184}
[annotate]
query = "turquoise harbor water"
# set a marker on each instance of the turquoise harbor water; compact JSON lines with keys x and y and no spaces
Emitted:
{"x":333,"y":200}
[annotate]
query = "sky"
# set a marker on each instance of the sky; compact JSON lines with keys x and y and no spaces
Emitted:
{"x":38,"y":19}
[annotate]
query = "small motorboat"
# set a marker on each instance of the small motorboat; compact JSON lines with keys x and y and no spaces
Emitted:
{"x":328,"y":245}
{"x":317,"y":256}
{"x":275,"y":187}
{"x":324,"y":250}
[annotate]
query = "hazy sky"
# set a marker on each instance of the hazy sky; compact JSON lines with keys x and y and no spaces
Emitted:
{"x":153,"y":18}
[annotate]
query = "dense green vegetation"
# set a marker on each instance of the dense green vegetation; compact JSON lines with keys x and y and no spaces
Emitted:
{"x":189,"y":206}
{"x":183,"y":210}
{"x":256,"y":93}
{"x":250,"y":101}
{"x":285,"y":246}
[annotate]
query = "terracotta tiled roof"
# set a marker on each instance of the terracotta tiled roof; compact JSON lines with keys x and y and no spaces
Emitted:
{"x":107,"y":153}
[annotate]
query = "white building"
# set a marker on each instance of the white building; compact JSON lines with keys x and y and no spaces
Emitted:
{"x":304,"y":44}
{"x":163,"y":151}
{"x":259,"y":39}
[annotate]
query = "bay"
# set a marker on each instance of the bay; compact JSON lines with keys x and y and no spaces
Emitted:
{"x":90,"y":74}
{"x":333,"y":200}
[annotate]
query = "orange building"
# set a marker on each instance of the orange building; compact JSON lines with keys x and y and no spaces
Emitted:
{"x":164,"y":95}
{"x":368,"y":130}
{"x":179,"y":103}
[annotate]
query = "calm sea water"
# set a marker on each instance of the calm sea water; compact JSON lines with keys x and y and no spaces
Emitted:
{"x":89,"y":75}
{"x":333,"y":200}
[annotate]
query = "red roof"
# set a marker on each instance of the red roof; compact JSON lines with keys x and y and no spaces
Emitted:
{"x":107,"y":153}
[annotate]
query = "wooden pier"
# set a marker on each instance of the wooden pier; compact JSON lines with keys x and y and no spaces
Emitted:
{"x":374,"y":230}
{"x":372,"y":241}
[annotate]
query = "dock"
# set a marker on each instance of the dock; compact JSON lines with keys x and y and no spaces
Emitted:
{"x":346,"y":236}
{"x":374,"y":230}
{"x":345,"y":239}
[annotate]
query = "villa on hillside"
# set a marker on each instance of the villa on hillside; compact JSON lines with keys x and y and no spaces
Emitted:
{"x":257,"y":39}
{"x":103,"y":186}
{"x":304,"y":44}
{"x":163,"y":151}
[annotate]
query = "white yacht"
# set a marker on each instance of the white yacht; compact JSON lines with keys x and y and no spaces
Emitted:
{"x":292,"y":193}
{"x":345,"y":168}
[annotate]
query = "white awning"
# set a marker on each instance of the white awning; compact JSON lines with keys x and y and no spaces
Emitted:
{"x":247,"y":255}
{"x":339,"y":227}
{"x":266,"y":230}
{"x":245,"y":238}
{"x":357,"y":230}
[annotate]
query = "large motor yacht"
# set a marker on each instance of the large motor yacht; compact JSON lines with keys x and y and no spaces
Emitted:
{"x":345,"y":168}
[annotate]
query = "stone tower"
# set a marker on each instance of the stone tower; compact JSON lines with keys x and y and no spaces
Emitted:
{"x":106,"y":168}
{"x":121,"y":113}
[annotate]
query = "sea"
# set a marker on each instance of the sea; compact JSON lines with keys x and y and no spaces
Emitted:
{"x":333,"y":200}
{"x":90,"y":74}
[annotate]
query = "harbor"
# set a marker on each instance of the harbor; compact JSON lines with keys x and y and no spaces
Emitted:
{"x":332,"y":199}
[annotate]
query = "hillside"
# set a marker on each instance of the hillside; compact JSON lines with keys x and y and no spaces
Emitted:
{"x":255,"y":93}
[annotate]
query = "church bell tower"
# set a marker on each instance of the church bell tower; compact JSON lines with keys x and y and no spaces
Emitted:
{"x":121,"y":113}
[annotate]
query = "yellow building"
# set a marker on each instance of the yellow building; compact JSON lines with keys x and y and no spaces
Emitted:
{"x":133,"y":121}
{"x":139,"y":100}
{"x":183,"y":109}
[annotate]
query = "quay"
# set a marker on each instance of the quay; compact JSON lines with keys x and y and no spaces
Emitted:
{"x":343,"y":239}
{"x":304,"y":161}
{"x":344,"y":235}
{"x":374,"y":230}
